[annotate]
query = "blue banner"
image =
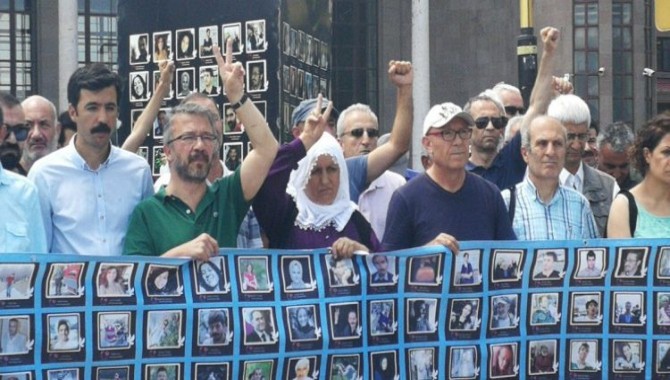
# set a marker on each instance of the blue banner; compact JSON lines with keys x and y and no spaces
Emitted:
{"x":561,"y":309}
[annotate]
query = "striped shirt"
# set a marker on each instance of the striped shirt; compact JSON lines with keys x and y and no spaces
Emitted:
{"x":566,"y":217}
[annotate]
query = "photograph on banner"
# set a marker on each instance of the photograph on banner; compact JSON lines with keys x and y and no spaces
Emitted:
{"x":139,"y":49}
{"x":421,"y":363}
{"x":303,"y":324}
{"x":63,"y":374}
{"x":209,"y":371}
{"x":463,"y":362}
{"x":16,"y":284}
{"x":627,"y":314}
{"x":232,"y":31}
{"x":257,"y":76}
{"x":209,"y":37}
{"x":162,"y":46}
{"x":503,"y":360}
{"x":139,"y":86}
{"x":661,"y":365}
{"x":160,"y":123}
{"x":214,"y":332}
{"x":503,"y":316}
{"x":382,"y":273}
{"x":384,"y":365}
{"x":585,"y":312}
{"x":168,"y":371}
{"x":663,"y":264}
{"x":590,"y":268}
{"x":209,"y":80}
{"x":506,"y":269}
{"x":211,"y":277}
{"x":259,"y":330}
{"x":548,"y":267}
{"x":542,"y":359}
{"x":63,"y":337}
{"x":16,"y":339}
{"x":421,"y":319}
{"x":164,"y":330}
{"x":113,"y":373}
{"x":424,"y":274}
{"x":382,"y":320}
{"x":114,"y":280}
{"x":157,"y":79}
{"x":256,"y":38}
{"x":23,"y":375}
{"x":584,"y":356}
{"x":631,"y":266}
{"x":159,"y":161}
{"x":344,"y":320}
{"x":65,"y":280}
{"x":464,"y":318}
{"x":231,"y":125}
{"x":662,"y":314}
{"x":185,"y":44}
{"x":186,"y":80}
{"x":143,"y":152}
{"x":162,"y":283}
{"x":298,"y":280}
{"x":343,"y":276}
{"x":134,"y":115}
{"x":302,"y":368}
{"x":344,"y":367}
{"x":467,"y":274}
{"x":259,"y":369}
{"x":253,"y":271}
{"x":544,"y":313}
{"x":626,"y":356}
{"x":233,"y":157}
{"x":113,"y":332}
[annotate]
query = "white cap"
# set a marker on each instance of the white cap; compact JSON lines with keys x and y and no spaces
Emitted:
{"x":441,"y":114}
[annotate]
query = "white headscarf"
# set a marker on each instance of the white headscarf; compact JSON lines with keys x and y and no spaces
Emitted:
{"x":311,"y":215}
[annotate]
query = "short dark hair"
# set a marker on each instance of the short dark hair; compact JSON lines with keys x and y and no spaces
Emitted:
{"x":552,"y":254}
{"x":8,"y":100}
{"x":649,"y":137}
{"x":591,"y":302}
{"x":590,"y":254}
{"x":94,"y":77}
{"x":217,"y":316}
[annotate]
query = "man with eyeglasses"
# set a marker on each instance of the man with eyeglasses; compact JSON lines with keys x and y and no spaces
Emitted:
{"x":613,"y":144}
{"x":446,"y":204}
{"x":21,"y":217}
{"x":202,"y":218}
{"x":89,"y":188}
{"x":15,"y":132}
{"x":598,"y":187}
{"x":44,"y":129}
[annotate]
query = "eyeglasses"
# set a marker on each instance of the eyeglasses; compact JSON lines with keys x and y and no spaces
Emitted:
{"x":358,"y":132}
{"x":450,"y":135}
{"x":20,"y":131}
{"x":190,"y":139}
{"x":498,"y":122}
{"x":513,"y":110}
{"x":578,"y":136}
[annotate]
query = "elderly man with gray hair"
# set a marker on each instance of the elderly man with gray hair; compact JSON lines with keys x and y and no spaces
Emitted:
{"x":613,"y":144}
{"x":43,"y":132}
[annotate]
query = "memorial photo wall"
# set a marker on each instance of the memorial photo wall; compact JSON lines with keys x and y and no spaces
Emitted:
{"x":550,"y":310}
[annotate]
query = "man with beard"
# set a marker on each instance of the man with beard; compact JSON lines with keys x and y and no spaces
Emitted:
{"x":89,"y":188}
{"x":15,"y":133}
{"x":43,"y":132}
{"x":217,"y":322}
{"x":202,"y":218}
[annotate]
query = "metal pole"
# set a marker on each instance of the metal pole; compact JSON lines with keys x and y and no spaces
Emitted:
{"x":67,"y":57}
{"x":421,"y":65}
{"x":526,"y":50}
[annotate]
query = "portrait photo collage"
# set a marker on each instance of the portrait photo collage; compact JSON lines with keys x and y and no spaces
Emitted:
{"x":575,"y":309}
{"x":304,"y":70}
{"x":191,"y":50}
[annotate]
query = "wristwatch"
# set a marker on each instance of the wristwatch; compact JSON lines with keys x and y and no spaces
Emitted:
{"x":240,"y":102}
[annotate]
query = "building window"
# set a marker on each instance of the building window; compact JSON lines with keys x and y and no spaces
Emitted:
{"x":663,"y":53}
{"x":622,"y":58}
{"x":586,"y":61}
{"x":354,"y":53}
{"x":98,"y":32}
{"x":15,"y":48}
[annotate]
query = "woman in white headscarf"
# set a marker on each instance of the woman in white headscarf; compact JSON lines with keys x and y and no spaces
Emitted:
{"x":304,"y":202}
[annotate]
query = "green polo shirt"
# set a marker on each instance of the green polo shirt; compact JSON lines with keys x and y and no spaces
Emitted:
{"x":162,"y":222}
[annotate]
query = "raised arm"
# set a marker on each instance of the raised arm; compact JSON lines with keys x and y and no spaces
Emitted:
{"x":146,"y":120}
{"x":379,"y":160}
{"x":255,"y":167}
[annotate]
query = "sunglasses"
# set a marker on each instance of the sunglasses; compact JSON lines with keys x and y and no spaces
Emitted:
{"x":20,"y":131}
{"x":498,"y":122}
{"x":513,"y":110}
{"x":358,"y":132}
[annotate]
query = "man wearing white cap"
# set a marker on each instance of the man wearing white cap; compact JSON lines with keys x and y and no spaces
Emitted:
{"x":446,"y":203}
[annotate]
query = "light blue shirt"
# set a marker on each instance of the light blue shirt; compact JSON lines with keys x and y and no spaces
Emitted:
{"x":566,"y":217}
{"x":86,"y":211}
{"x":20,"y":216}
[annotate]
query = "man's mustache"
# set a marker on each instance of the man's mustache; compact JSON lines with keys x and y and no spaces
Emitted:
{"x":101,"y":128}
